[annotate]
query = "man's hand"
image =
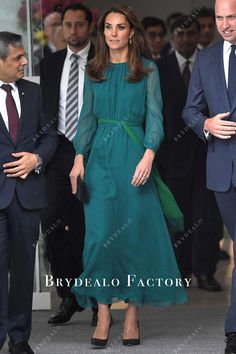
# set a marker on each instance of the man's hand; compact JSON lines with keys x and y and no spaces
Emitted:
{"x":219,"y":127}
{"x":21,"y":167}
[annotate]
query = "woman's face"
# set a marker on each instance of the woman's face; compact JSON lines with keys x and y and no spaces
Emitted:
{"x":117,"y":31}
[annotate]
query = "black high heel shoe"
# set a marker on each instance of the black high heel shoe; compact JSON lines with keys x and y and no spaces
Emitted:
{"x":97,"y":342}
{"x":132,"y":341}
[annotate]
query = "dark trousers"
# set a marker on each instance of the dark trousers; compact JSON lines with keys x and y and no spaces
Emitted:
{"x":197,"y":249}
{"x":19,"y":230}
{"x":227,"y":205}
{"x":62,"y":221}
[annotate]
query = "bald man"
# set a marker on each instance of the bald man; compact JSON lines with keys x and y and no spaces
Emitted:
{"x":51,"y":23}
{"x":211,"y":112}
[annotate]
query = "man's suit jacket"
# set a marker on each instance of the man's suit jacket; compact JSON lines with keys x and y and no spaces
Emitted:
{"x":35,"y":136}
{"x":208,"y":92}
{"x":178,"y":152}
{"x":50,"y":78}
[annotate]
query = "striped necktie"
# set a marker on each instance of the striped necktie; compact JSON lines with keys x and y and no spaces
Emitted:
{"x":232,"y":75}
{"x":72,"y":101}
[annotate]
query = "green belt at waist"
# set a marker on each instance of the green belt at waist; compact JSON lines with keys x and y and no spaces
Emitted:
{"x":121,"y":123}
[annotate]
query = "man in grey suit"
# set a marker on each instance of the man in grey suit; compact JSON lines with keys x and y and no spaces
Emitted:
{"x":211,"y":112}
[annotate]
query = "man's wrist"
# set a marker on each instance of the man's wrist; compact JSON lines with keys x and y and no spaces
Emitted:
{"x":205,"y":127}
{"x":38,"y":166}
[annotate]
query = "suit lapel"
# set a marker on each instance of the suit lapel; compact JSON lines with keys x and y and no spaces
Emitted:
{"x":91,"y":52}
{"x":177,"y":74}
{"x":23,"y":98}
{"x":3,"y":128}
{"x":59,"y":59}
{"x":218,"y":61}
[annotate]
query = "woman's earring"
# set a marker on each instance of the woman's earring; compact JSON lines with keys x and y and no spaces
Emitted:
{"x":130,"y":40}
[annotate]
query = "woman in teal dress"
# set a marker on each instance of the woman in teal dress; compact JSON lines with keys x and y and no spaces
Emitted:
{"x":128,"y":253}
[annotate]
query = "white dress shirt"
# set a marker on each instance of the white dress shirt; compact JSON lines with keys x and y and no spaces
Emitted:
{"x":3,"y":108}
{"x":182,"y":61}
{"x":83,"y":55}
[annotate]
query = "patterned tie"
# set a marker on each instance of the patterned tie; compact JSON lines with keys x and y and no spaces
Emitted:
{"x":13,"y":116}
{"x":232,"y":75}
{"x":186,"y":74}
{"x":72,"y":102}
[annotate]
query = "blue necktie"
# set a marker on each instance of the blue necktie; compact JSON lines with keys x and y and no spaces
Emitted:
{"x":232,"y":75}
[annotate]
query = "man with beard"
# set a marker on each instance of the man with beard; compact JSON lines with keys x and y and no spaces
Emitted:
{"x":62,"y":81}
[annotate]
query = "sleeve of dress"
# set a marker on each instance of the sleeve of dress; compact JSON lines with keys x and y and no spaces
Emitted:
{"x":154,"y":132}
{"x":87,"y":124}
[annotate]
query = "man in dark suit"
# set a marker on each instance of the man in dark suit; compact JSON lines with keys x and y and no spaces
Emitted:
{"x":182,"y":162}
{"x":211,"y":112}
{"x":65,"y":242}
{"x":26,"y":145}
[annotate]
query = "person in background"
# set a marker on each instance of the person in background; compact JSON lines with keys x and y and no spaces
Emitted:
{"x":46,"y":43}
{"x":27,"y":143}
{"x":59,"y":39}
{"x":169,"y":48}
{"x":206,"y":19}
{"x":182,"y":160}
{"x":62,"y":82}
{"x":51,"y":23}
{"x":156,"y":32}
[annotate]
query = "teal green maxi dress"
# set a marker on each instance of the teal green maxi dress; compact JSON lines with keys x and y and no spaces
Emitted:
{"x":128,"y":254}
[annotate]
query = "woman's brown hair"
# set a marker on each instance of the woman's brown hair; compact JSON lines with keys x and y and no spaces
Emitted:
{"x":137,"y":48}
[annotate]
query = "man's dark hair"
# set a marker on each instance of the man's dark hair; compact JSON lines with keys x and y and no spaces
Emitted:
{"x":81,"y":7}
{"x":8,"y":39}
{"x":203,"y":11}
{"x":152,"y":22}
{"x":184,"y":22}
{"x":173,"y":16}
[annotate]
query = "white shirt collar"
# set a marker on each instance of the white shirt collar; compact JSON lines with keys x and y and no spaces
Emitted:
{"x":13,"y":84}
{"x":227,"y":47}
{"x":181,"y":60}
{"x":83,"y":53}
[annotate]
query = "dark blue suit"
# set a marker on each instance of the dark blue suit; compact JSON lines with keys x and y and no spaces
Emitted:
{"x":208,"y":93}
{"x":20,"y":202}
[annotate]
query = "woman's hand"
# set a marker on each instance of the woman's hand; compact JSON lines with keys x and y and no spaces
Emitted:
{"x":143,"y":169}
{"x":77,"y":171}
